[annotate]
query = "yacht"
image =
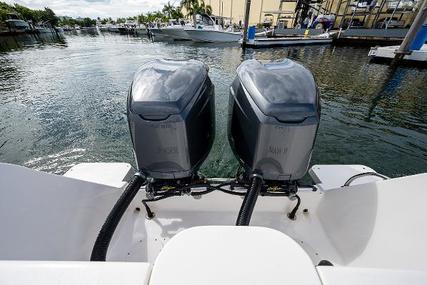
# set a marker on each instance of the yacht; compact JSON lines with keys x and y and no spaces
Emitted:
{"x":156,"y":33}
{"x":141,"y":30}
{"x":207,"y":30}
{"x":176,"y":31}
{"x":113,"y":29}
{"x":43,"y":29}
{"x":164,"y":223}
{"x":103,"y":28}
{"x":17,"y":26}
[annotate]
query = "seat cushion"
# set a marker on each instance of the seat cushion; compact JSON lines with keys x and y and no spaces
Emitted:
{"x":233,"y":255}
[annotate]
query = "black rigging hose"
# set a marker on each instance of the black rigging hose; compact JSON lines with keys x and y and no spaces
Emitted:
{"x":99,"y":251}
{"x":249,"y":202}
{"x":292,"y":214}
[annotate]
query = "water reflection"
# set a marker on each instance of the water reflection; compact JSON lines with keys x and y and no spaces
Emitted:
{"x":64,"y":104}
{"x":9,"y":43}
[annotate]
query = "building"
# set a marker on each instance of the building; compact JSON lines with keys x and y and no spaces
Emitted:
{"x":268,"y":10}
{"x":357,"y":13}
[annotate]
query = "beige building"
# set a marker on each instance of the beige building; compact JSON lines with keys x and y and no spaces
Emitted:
{"x":282,"y":12}
{"x":235,"y":9}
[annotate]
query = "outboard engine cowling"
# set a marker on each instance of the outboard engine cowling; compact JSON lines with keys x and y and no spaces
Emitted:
{"x":171,"y":117}
{"x":274,"y":114}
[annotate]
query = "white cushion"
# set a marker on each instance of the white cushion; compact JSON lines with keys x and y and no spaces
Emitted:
{"x":233,"y":255}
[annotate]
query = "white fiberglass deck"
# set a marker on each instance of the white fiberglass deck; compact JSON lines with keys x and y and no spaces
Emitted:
{"x":376,"y":224}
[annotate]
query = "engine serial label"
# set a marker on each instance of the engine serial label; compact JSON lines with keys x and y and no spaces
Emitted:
{"x":167,"y":150}
{"x":277,"y":150}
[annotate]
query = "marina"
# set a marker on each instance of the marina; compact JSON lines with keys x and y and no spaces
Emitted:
{"x":204,"y":142}
{"x":388,"y":104}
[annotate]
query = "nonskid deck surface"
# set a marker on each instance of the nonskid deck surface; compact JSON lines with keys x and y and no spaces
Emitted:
{"x":175,"y":214}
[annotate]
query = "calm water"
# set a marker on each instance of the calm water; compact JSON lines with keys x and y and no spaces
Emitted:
{"x":64,"y":103}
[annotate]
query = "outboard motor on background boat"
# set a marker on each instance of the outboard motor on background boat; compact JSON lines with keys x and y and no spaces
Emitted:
{"x":171,"y":117}
{"x":280,"y":102}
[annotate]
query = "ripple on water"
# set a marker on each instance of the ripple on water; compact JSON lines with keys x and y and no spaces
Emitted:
{"x":65,"y":104}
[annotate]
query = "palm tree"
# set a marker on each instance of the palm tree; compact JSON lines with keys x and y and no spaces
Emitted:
{"x":195,"y":7}
{"x":206,"y":9}
{"x":188,"y":5}
{"x":169,"y":10}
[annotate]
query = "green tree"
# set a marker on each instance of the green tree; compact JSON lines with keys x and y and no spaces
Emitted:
{"x":5,"y":10}
{"x":47,"y":15}
{"x":121,"y":20}
{"x":26,"y":13}
{"x":168,"y":10}
{"x":194,"y":7}
{"x":87,"y":22}
{"x":142,"y":19}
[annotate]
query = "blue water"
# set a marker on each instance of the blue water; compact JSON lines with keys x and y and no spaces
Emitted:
{"x":64,"y":103}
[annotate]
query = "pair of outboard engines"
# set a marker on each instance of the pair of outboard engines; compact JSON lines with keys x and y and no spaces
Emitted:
{"x":274,"y":113}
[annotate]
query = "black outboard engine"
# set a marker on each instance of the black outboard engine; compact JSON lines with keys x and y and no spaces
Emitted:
{"x":171,"y":117}
{"x":172,"y":124}
{"x":274,"y":114}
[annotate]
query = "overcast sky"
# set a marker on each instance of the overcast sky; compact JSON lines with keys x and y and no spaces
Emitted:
{"x":96,"y":8}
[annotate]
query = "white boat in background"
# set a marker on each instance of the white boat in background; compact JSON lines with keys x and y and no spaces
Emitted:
{"x":59,"y":30}
{"x":141,"y":30}
{"x":208,"y":30}
{"x":176,"y":31}
{"x":89,"y":30}
{"x":156,"y":33}
{"x":113,"y":29}
{"x":44,"y":28}
{"x":212,"y":35}
{"x":103,"y":28}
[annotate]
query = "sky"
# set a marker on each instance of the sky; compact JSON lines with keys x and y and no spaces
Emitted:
{"x":96,"y":8}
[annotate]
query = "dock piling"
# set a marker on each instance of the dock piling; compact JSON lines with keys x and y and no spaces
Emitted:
{"x":419,"y":20}
{"x":246,"y":23}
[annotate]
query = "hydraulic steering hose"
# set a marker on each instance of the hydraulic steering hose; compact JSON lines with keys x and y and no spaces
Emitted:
{"x":99,"y":251}
{"x":249,"y":201}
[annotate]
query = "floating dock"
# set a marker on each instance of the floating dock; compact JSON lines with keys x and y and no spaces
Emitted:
{"x":287,"y":41}
{"x":371,"y":36}
{"x":387,"y":54}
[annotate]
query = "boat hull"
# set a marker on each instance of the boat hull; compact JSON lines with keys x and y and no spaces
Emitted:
{"x":213,"y":36}
{"x":177,"y":34}
{"x":158,"y":34}
{"x":113,"y":29}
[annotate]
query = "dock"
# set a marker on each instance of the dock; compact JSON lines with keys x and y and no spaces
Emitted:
{"x":387,"y":54}
{"x":370,"y":37}
{"x":287,"y":41}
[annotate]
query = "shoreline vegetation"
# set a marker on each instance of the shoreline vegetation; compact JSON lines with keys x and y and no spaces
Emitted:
{"x":16,"y":19}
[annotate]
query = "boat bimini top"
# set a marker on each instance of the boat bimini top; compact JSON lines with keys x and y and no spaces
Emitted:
{"x":165,"y":223}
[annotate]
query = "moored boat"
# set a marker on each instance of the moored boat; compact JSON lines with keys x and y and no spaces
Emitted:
{"x":176,"y":31}
{"x":113,"y":29}
{"x":211,"y":35}
{"x":207,"y":30}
